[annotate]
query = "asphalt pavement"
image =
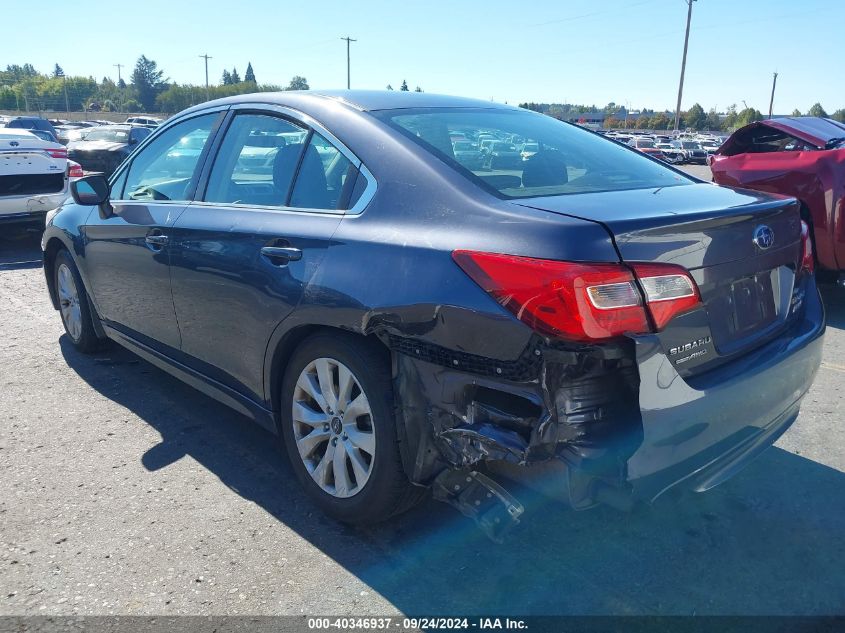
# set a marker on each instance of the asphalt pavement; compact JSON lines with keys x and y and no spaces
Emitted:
{"x":127,"y":492}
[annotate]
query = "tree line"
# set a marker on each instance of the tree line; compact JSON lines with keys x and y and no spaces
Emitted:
{"x":614,"y":116}
{"x":23,"y":88}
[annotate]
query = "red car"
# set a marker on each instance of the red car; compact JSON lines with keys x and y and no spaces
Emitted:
{"x":802,"y":157}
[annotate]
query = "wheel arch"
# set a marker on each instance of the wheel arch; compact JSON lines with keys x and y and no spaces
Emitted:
{"x":51,"y":249}
{"x":282,"y":346}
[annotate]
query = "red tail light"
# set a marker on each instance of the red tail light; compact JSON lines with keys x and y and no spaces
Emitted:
{"x":808,"y":262}
{"x":57,"y":153}
{"x":582,"y":301}
{"x":74,"y":170}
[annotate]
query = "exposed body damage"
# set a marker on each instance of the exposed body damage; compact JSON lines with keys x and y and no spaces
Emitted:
{"x":801,"y":157}
{"x":625,"y":424}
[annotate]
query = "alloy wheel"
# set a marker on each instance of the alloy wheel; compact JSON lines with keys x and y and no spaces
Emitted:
{"x":69,"y":302}
{"x":333,"y":427}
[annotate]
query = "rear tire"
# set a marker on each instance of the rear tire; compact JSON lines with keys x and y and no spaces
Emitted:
{"x":339,"y":429}
{"x":73,"y":305}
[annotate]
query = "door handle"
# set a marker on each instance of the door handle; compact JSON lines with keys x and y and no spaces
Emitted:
{"x":156,"y":240}
{"x":284,"y":253}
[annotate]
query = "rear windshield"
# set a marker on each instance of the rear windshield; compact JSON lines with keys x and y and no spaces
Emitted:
{"x":115,"y":135}
{"x":568,"y":159}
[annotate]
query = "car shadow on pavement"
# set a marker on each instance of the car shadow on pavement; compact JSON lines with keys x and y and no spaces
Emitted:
{"x":20,"y":247}
{"x":767,"y":542}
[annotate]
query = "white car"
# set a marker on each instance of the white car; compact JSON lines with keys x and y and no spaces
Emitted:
{"x":34,"y":176}
{"x":149,"y":121}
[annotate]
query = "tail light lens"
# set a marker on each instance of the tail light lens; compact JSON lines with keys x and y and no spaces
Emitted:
{"x":74,"y":170}
{"x":808,"y":262}
{"x":582,"y":301}
{"x":57,"y":153}
{"x":669,"y":291}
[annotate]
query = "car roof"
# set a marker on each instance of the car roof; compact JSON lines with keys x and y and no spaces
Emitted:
{"x":814,"y":130}
{"x":363,"y":100}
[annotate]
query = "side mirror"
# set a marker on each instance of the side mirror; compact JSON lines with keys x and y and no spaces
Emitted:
{"x":90,"y":190}
{"x":133,"y":140}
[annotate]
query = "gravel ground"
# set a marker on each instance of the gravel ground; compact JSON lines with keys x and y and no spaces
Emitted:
{"x":127,"y":492}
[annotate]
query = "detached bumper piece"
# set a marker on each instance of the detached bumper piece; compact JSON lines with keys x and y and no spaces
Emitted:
{"x":480,"y":498}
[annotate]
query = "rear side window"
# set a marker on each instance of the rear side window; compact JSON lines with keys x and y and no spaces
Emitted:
{"x":257,"y":161}
{"x":322,"y":176}
{"x":563,"y":159}
{"x":164,"y":169}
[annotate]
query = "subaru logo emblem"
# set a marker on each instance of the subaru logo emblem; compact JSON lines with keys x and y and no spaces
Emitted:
{"x":764,"y":237}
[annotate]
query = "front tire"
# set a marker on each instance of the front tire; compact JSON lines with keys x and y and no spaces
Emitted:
{"x":339,"y":431}
{"x":73,"y":305}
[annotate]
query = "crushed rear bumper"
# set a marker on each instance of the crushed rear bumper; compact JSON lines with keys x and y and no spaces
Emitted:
{"x":619,"y":422}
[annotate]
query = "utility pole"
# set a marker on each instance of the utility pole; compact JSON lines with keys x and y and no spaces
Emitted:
{"x":683,"y":65}
{"x":772,"y":100}
{"x":206,"y":57}
{"x":67,"y":103}
{"x":120,"y":90}
{"x":348,"y":73}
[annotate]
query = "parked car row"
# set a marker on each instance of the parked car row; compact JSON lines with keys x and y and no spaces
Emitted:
{"x":65,"y":131}
{"x":677,"y":149}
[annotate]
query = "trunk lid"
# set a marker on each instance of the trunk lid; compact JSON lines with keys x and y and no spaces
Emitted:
{"x":745,"y":272}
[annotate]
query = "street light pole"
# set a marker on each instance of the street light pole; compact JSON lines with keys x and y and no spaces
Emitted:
{"x":683,"y":65}
{"x":348,"y":71}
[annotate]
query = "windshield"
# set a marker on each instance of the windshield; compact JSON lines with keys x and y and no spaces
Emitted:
{"x":690,"y":145}
{"x":644,"y":143}
{"x":569,"y":159}
{"x":112,"y":134}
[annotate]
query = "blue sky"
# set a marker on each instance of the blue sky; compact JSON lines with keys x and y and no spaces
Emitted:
{"x":579,"y":51}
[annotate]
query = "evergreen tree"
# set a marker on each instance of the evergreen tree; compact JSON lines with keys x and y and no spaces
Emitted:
{"x":58,"y":72}
{"x":817,"y":110}
{"x":227,"y":78}
{"x":148,"y":82}
{"x":236,"y":78}
{"x":249,"y":75}
{"x":404,"y":87}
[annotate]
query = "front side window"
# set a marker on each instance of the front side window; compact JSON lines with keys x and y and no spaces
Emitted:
{"x":266,"y":161}
{"x":165,"y":169}
{"x":567,"y":160}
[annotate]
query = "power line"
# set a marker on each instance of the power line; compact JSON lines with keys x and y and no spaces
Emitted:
{"x":206,"y":57}
{"x":348,"y":72}
{"x":683,"y":64}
